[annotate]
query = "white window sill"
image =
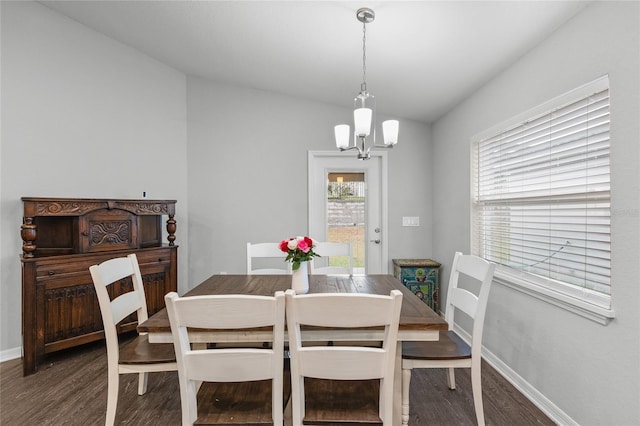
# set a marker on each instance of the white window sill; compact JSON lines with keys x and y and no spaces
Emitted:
{"x":599,"y":314}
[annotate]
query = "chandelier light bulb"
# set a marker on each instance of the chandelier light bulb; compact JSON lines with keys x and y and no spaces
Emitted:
{"x":342,"y":135}
{"x":362,"y":121}
{"x":390,"y":131}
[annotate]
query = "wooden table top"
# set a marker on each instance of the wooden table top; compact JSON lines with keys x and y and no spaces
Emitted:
{"x":414,"y":315}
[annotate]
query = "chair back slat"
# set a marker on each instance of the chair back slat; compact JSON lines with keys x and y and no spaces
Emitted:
{"x":124,"y":305}
{"x":332,"y":249}
{"x":473,"y":266}
{"x":113,"y":270}
{"x":240,"y":365}
{"x":465,"y":301}
{"x":227,"y":312}
{"x":356,"y":363}
{"x":328,"y":270}
{"x":266,"y":251}
{"x":346,"y":310}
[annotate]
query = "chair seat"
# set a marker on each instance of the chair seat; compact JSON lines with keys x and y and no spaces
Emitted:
{"x":238,"y":403}
{"x":353,"y":402}
{"x":140,"y":351}
{"x":449,"y":346}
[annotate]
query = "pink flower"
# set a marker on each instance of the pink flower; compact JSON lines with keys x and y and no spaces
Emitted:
{"x":304,"y":246}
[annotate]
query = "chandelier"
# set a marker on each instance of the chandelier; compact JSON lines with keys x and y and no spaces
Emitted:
{"x":364,"y":109}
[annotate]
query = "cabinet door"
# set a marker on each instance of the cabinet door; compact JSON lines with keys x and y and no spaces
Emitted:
{"x":67,"y":310}
{"x":108,"y":230}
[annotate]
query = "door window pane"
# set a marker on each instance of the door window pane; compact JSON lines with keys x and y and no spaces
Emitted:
{"x":346,"y":215}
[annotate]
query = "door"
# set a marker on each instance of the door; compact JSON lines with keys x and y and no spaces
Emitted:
{"x":322,"y":164}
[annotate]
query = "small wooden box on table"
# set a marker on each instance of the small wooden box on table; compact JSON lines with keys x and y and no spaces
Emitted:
{"x":61,"y":239}
{"x":421,"y":276}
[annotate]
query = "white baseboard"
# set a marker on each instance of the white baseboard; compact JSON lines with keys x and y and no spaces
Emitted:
{"x":10,"y":354}
{"x":532,"y":394}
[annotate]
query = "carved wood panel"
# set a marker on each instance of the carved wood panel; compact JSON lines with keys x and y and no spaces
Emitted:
{"x":70,"y":312}
{"x":105,"y":230}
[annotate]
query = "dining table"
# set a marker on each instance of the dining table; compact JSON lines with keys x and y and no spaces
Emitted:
{"x":418,"y":322}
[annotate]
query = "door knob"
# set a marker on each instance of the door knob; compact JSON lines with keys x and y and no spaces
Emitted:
{"x":375,"y":241}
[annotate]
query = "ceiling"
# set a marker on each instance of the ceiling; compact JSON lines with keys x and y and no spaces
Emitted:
{"x":423,"y":57}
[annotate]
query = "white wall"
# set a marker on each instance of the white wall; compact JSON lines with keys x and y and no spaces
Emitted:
{"x":590,"y":373}
{"x":247,"y":161}
{"x":82,"y":116}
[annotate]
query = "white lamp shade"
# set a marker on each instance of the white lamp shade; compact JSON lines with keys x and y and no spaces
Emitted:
{"x":390,"y":131}
{"x":342,"y":135}
{"x":362,"y":121}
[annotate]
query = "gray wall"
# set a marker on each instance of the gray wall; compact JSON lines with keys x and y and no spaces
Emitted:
{"x":74,"y":101}
{"x":82,"y":116}
{"x":247,"y":156}
{"x":588,"y":371}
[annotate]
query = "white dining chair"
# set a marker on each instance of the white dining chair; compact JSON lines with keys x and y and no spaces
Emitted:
{"x":230,"y":385}
{"x":268,"y":252}
{"x":326,"y":250}
{"x":451,"y":351}
{"x":343,"y":382}
{"x":138,"y":355}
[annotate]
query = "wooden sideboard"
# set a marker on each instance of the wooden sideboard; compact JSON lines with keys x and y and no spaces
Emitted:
{"x":61,"y":239}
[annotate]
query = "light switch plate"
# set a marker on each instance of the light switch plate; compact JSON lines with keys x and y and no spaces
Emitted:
{"x":410,"y":221}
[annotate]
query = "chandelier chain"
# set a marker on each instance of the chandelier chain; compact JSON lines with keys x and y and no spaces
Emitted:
{"x":364,"y":56}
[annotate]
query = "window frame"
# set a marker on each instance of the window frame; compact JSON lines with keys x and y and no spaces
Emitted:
{"x":589,"y":304}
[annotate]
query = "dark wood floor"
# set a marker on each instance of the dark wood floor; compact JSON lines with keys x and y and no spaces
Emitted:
{"x":71,"y":389}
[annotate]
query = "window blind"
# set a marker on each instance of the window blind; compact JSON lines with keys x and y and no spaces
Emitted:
{"x":542,"y":195}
